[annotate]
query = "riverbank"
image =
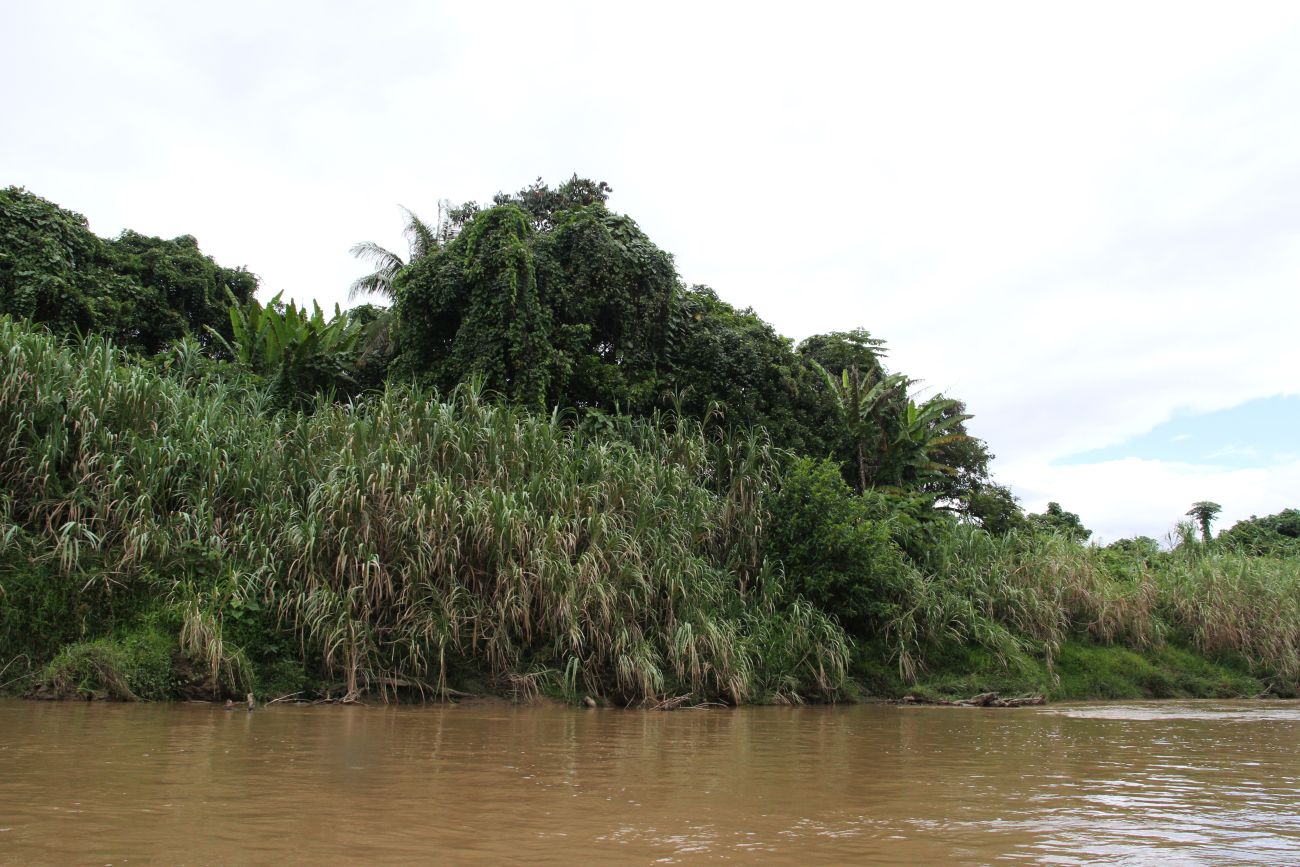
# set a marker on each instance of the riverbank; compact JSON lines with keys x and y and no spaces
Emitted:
{"x":147,"y":668}
{"x":164,"y":535}
{"x":1084,"y":671}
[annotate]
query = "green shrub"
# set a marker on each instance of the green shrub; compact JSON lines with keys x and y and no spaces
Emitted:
{"x":836,"y":555}
{"x":139,"y":666}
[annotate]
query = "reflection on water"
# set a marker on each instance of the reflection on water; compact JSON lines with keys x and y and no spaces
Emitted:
{"x":1204,"y":783}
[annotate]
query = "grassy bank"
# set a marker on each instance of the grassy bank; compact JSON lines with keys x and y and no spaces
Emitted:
{"x":1044,"y":615}
{"x":165,"y":532}
{"x":402,"y":544}
{"x":945,"y":608}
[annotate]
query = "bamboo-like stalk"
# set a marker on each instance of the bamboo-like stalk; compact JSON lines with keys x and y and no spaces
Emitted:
{"x":402,"y":536}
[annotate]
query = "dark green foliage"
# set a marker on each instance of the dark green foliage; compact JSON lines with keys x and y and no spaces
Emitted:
{"x":1143,"y":548}
{"x":608,"y":292}
{"x":995,"y":508}
{"x":376,"y":348}
{"x":1057,"y":520}
{"x":53,"y":270}
{"x":183,"y":291}
{"x":1130,"y":559}
{"x":472,"y":310}
{"x":1271,"y":536}
{"x":728,"y":361}
{"x":138,"y":666}
{"x":143,"y":292}
{"x":836,"y":553}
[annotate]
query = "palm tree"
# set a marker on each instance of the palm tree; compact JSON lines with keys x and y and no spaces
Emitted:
{"x":421,"y":238}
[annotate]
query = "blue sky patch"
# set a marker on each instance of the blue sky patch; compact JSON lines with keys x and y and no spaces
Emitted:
{"x":1257,"y":433}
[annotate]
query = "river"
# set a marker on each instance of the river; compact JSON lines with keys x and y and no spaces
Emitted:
{"x":1187,"y":782}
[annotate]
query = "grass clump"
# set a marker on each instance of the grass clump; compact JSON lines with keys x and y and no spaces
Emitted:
{"x":136,"y":667}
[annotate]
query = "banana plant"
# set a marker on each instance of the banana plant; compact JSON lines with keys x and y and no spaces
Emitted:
{"x":862,"y":400}
{"x":299,"y":352}
{"x":923,"y":429}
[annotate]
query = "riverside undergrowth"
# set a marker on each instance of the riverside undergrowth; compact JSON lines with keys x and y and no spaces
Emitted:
{"x":1042,"y":613}
{"x":942,"y":608}
{"x":401,"y":541}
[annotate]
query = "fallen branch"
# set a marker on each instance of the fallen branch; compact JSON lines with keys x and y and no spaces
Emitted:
{"x":284,"y":697}
{"x":984,"y":699}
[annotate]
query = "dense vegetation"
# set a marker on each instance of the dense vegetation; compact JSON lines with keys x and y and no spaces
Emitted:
{"x":548,"y":466}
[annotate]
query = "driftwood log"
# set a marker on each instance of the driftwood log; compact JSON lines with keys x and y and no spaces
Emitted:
{"x":984,"y":699}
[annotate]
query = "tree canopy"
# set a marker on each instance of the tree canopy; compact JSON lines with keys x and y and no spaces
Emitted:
{"x":144,"y":292}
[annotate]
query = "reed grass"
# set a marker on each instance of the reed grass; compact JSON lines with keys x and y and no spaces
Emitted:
{"x":403,"y":537}
{"x":1022,"y":597}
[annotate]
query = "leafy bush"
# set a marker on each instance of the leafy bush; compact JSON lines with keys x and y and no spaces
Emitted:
{"x":836,"y":554}
{"x":136,"y":667}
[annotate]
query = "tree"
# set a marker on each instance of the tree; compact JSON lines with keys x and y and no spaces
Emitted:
{"x":861,"y":399}
{"x":543,"y":204}
{"x":53,"y":269}
{"x":719,"y":358}
{"x":143,"y":292}
{"x":839,"y":350}
{"x":421,"y":239}
{"x":1273,"y":535}
{"x":995,"y":508}
{"x":184,"y":291}
{"x":472,"y":309}
{"x":1204,"y":511}
{"x":1057,"y":520}
{"x":608,"y":292}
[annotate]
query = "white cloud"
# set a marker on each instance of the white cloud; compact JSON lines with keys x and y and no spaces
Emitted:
{"x":1078,"y":221}
{"x":1117,"y":499}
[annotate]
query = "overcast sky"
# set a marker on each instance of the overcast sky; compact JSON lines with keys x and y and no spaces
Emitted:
{"x":1084,"y":223}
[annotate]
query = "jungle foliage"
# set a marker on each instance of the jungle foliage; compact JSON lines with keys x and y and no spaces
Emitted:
{"x":143,"y":292}
{"x":548,"y":466}
{"x":402,"y":543}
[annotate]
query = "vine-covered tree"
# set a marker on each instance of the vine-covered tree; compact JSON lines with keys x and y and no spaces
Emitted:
{"x":473,"y":310}
{"x":1057,"y":520}
{"x":1204,"y":512}
{"x":143,"y":292}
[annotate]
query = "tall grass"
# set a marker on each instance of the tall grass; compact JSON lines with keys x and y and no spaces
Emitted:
{"x":1225,"y":601}
{"x":1021,"y":595}
{"x":404,"y":538}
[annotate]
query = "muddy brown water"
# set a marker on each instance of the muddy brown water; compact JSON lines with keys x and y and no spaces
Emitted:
{"x":1195,"y":783}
